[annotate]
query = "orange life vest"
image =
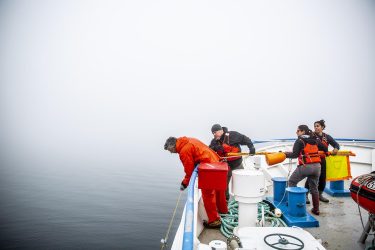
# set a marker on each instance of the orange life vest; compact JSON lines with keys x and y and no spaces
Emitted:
{"x":309,"y":154}
{"x":324,"y":140}
{"x":229,"y":149}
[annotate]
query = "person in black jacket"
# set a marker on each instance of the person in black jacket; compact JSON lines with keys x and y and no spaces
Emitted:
{"x":326,"y":140}
{"x":225,"y":142}
{"x":306,"y":148}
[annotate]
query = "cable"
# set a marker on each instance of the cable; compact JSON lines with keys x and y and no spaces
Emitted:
{"x":287,"y":182}
{"x":165,"y":239}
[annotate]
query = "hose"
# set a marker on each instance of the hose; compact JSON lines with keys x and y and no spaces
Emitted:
{"x":230,"y":220}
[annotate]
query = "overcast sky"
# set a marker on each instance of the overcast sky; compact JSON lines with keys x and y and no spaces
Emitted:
{"x":114,"y":76}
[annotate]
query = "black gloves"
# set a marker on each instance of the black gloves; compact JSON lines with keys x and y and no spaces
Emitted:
{"x":183,"y":187}
{"x":252,"y":150}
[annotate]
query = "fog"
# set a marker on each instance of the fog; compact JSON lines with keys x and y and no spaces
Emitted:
{"x":90,"y":90}
{"x":114,"y":76}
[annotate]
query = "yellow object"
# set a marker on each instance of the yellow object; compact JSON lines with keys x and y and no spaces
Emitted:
{"x":275,"y":158}
{"x":244,"y":154}
{"x":338,"y":167}
{"x":344,"y":152}
{"x":237,"y":154}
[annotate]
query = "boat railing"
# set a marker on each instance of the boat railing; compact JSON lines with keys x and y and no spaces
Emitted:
{"x":365,"y":153}
{"x":188,"y":238}
{"x":363,"y":162}
{"x":352,"y":140}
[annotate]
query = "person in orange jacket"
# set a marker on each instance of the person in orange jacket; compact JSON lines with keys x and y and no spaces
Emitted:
{"x":193,"y":152}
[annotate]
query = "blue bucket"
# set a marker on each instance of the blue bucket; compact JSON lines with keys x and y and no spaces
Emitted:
{"x":279,"y":185}
{"x":297,"y":201}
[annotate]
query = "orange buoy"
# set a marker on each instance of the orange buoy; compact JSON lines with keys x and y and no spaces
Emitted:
{"x":275,"y":158}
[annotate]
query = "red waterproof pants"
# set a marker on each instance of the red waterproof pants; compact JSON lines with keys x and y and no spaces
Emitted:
{"x":214,"y":203}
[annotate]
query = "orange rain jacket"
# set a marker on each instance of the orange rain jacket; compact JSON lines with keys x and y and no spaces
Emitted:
{"x":192,"y":152}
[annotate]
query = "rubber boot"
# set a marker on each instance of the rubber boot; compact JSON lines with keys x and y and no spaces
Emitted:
{"x":307,"y":198}
{"x":315,"y":202}
{"x":322,"y":198}
{"x":212,"y":225}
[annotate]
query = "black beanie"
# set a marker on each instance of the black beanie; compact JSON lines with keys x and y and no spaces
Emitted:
{"x":216,"y":127}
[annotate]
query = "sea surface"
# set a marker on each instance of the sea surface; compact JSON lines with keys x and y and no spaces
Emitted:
{"x":51,"y":203}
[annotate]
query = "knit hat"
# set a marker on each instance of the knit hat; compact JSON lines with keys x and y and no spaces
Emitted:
{"x":216,"y":127}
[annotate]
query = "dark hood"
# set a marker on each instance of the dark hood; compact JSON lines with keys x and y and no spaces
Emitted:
{"x":308,"y":139}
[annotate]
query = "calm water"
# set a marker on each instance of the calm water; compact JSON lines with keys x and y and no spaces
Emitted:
{"x":77,"y":204}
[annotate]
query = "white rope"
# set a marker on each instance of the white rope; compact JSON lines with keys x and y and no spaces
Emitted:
{"x":287,"y":181}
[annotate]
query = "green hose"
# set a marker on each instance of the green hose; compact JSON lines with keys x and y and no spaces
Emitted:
{"x":230,"y":221}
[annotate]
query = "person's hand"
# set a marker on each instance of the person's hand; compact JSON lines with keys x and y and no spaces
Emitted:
{"x":183,"y":187}
{"x":334,"y":151}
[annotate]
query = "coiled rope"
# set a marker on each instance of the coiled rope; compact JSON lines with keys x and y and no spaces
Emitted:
{"x":230,"y":221}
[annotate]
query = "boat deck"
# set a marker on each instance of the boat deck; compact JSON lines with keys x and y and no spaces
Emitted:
{"x":340,"y":225}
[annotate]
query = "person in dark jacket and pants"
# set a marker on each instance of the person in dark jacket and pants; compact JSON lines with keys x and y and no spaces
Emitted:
{"x":225,"y":142}
{"x":326,"y":140}
{"x":306,"y":149}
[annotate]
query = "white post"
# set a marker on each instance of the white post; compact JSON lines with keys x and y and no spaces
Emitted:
{"x":248,"y":189}
{"x":247,"y":214}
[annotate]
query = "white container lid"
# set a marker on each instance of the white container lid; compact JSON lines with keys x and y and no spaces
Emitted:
{"x":218,"y":245}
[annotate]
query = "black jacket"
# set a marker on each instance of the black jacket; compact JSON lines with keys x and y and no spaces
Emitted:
{"x":330,"y":140}
{"x":235,"y":139}
{"x":299,"y":146}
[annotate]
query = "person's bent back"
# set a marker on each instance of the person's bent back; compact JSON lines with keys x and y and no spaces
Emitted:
{"x":193,"y":152}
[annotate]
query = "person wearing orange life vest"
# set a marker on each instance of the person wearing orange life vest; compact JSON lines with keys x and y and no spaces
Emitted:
{"x":306,"y":149}
{"x":326,"y":140}
{"x":225,"y":142}
{"x":193,"y":152}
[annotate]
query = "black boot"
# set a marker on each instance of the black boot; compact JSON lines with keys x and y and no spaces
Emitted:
{"x":322,"y":198}
{"x":307,"y":198}
{"x":212,"y":225}
{"x":315,"y":202}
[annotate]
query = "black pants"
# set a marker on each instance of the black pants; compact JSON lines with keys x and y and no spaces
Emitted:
{"x":322,"y":177}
